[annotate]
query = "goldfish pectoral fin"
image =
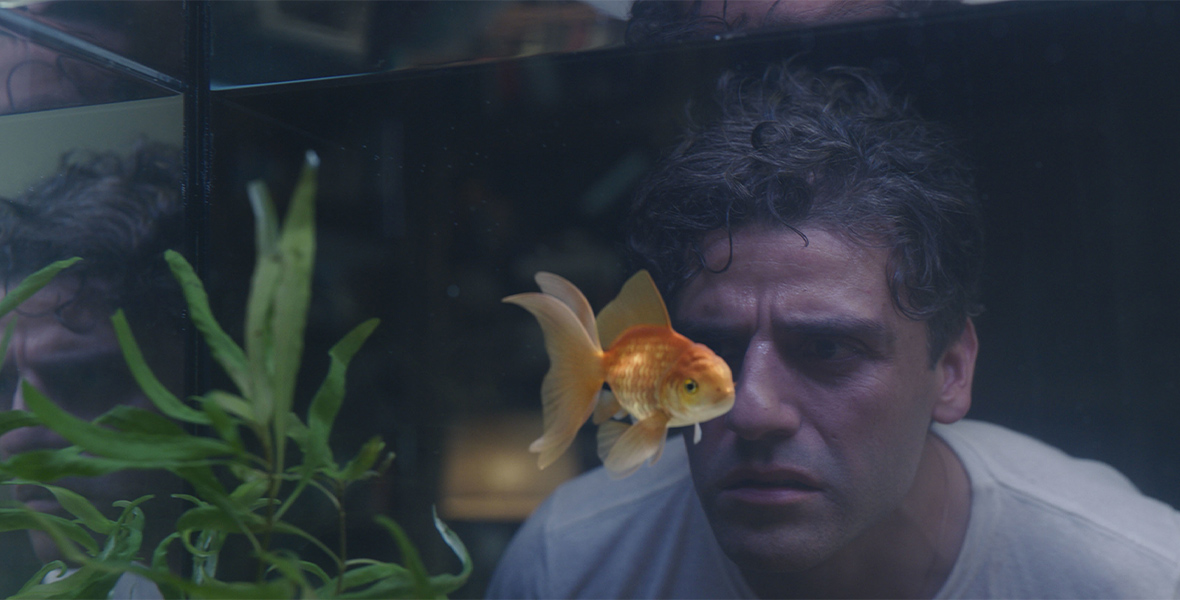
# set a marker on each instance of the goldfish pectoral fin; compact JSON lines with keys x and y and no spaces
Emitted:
{"x":574,"y":379}
{"x":638,"y":303}
{"x":560,"y":288}
{"x":696,"y":433}
{"x":607,"y":407}
{"x":609,"y":433}
{"x":655,"y":458}
{"x":638,"y":443}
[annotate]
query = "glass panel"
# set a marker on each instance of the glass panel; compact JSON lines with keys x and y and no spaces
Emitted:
{"x":272,"y":41}
{"x":444,"y":190}
{"x":43,"y":68}
{"x":467,"y":146}
{"x":91,"y":166}
{"x":295,"y":40}
{"x":102,"y":182}
{"x":149,"y":33}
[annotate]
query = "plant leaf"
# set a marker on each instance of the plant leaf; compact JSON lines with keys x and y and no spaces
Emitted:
{"x":32,"y":284}
{"x":225,"y":351}
{"x":129,"y":418}
{"x":413,"y":562}
{"x":50,"y":465}
{"x":164,"y":400}
{"x":266,"y":221}
{"x":316,"y":570}
{"x":293,"y":293}
{"x":15,"y":419}
{"x":213,"y":589}
{"x":289,"y":565}
{"x":225,"y":425}
{"x":142,"y":448}
{"x":233,"y":404}
{"x":447,"y":583}
{"x":387,"y":580}
{"x":357,"y":468}
{"x":211,"y":517}
{"x":77,"y":505}
{"x":24,"y":518}
{"x":85,"y":583}
{"x":327,"y":400}
{"x":9,"y":329}
{"x":260,"y":306}
{"x":39,"y":576}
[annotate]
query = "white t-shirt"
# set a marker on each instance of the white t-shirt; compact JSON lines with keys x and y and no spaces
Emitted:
{"x":129,"y":586}
{"x":1042,"y":525}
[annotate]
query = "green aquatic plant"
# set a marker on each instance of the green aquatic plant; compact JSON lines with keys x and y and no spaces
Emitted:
{"x":245,"y":475}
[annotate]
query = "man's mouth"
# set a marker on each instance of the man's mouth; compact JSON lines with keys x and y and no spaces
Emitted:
{"x":769,"y":485}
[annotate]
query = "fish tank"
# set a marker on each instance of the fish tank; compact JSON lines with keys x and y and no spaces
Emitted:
{"x":463,"y":147}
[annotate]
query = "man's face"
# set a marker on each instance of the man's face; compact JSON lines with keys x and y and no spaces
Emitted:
{"x":80,"y":368}
{"x":835,"y":394}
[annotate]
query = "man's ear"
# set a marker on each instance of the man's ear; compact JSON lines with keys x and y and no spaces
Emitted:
{"x":956,"y":369}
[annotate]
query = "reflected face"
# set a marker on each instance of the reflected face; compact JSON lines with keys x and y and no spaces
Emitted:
{"x":835,"y":394}
{"x":37,"y":78}
{"x":80,"y":368}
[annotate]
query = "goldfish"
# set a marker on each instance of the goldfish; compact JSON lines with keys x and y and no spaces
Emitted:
{"x":654,"y":375}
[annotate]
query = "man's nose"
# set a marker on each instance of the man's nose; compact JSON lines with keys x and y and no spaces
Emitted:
{"x":763,"y":406}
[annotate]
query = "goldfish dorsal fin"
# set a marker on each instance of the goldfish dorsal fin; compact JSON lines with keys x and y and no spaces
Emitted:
{"x":635,"y":445}
{"x":638,"y":303}
{"x":560,"y":288}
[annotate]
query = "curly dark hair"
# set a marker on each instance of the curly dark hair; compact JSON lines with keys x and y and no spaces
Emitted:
{"x":831,"y":150}
{"x":117,"y":213}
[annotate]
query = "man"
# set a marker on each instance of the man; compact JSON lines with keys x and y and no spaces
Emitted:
{"x":827,"y":243}
{"x":118,"y":214}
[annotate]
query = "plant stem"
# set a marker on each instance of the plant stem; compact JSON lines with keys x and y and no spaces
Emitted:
{"x":272,"y":493}
{"x":343,"y":559}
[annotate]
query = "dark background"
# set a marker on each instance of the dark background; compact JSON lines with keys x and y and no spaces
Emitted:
{"x":444,"y":190}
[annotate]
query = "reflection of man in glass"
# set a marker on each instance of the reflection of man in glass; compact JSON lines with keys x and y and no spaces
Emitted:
{"x":662,"y":21}
{"x":119,"y":215}
{"x":38,"y":78}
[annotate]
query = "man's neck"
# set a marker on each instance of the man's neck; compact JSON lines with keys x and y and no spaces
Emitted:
{"x":909,"y":554}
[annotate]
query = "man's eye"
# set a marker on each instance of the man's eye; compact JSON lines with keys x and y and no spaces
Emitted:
{"x":827,"y":349}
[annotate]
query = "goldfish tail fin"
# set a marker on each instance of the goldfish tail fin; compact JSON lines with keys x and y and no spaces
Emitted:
{"x":608,"y":406}
{"x":574,"y":378}
{"x":638,"y":303}
{"x":631,"y":445}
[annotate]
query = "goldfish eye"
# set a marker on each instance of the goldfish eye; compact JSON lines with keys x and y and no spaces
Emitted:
{"x":691,"y":386}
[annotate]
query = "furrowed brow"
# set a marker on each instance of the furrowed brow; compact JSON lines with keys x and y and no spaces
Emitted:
{"x":867,"y":330}
{"x":708,"y":332}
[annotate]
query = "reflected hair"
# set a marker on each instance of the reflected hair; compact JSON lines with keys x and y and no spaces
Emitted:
{"x":119,"y":214}
{"x":832,"y":150}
